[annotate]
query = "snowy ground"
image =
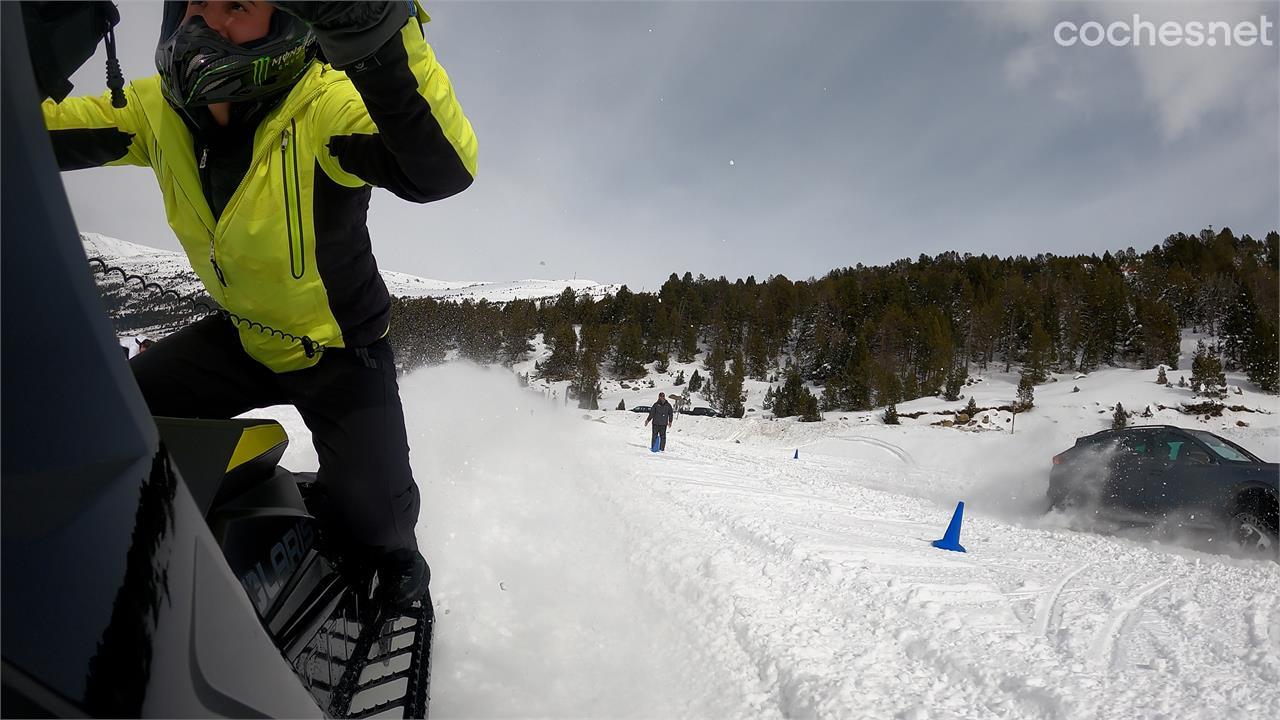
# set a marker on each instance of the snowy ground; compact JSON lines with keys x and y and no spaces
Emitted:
{"x":578,"y":575}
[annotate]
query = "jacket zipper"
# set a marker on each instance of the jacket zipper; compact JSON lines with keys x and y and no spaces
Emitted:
{"x":297,"y":189}
{"x":204,"y":178}
{"x":297,"y":260}
{"x":284,"y":180}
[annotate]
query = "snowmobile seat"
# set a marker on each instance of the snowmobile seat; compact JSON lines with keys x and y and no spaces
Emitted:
{"x":220,"y":460}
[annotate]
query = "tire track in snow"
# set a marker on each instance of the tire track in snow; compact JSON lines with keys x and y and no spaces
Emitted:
{"x":1260,"y":629}
{"x":901,"y":454}
{"x":1122,"y":621}
{"x":1049,"y":608}
{"x":927,"y":590}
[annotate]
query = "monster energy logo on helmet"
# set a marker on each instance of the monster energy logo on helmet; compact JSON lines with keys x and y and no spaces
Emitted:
{"x":260,"y":67}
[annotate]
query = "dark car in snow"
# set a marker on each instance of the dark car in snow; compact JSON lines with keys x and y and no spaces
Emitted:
{"x":1162,"y":475}
{"x":704,"y":411}
{"x":640,"y":409}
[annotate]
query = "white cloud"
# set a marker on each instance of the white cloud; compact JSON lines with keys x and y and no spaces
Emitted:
{"x":1182,"y":86}
{"x":1024,"y":64}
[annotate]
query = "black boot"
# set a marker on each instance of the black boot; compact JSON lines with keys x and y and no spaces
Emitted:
{"x":403,"y":577}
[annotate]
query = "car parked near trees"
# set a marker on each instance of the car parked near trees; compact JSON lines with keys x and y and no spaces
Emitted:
{"x":1171,"y":476}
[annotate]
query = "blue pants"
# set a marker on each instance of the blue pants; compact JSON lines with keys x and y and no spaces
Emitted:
{"x":659,"y":436}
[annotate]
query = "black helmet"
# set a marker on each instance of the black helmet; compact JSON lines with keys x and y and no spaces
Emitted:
{"x":199,"y":67}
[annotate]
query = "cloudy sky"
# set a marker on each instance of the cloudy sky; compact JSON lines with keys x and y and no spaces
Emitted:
{"x":624,"y":141}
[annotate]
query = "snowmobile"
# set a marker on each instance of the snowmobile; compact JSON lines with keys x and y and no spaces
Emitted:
{"x":317,"y":600}
{"x":153,"y":567}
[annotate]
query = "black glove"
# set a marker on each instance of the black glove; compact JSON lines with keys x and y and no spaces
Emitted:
{"x":350,"y":31}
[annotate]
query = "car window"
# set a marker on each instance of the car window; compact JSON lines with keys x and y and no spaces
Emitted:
{"x":1171,"y":446}
{"x":1138,"y":443}
{"x":1224,"y":449}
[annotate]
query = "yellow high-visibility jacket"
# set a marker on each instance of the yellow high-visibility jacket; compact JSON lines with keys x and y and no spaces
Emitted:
{"x":289,"y":255}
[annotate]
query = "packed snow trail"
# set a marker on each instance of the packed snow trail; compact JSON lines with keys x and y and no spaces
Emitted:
{"x":578,"y":574}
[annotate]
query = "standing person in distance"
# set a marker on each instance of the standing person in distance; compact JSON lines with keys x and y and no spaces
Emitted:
{"x":662,"y":416}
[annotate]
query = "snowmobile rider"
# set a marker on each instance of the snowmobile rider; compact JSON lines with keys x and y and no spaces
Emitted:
{"x":267,"y":127}
{"x":662,"y":415}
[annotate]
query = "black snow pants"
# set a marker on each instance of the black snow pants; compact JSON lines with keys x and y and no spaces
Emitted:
{"x":659,"y":431}
{"x":349,"y":401}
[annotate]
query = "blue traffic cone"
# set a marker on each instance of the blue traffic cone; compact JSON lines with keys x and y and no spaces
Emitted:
{"x":656,"y":442}
{"x":797,"y":455}
{"x":951,"y":541}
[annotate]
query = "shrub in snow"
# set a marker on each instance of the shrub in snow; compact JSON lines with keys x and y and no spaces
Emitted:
{"x":1120,"y":419}
{"x":1162,"y":379}
{"x":972,"y":408}
{"x":695,"y":382}
{"x":622,"y":405}
{"x":1026,"y":393}
{"x":1206,"y":372}
{"x":679,"y":378}
{"x":1075,"y":388}
{"x":890,"y":416}
{"x":662,"y":365}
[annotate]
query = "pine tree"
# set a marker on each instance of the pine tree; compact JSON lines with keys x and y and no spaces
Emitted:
{"x":622,"y":405}
{"x":1206,"y":372}
{"x":679,"y":378}
{"x":890,"y":415}
{"x":955,"y":381}
{"x":809,"y":411}
{"x":793,"y":398}
{"x":1120,"y":419}
{"x":756,"y":350}
{"x":767,"y":403}
{"x":688,"y":349}
{"x":1026,"y":393}
{"x":1260,"y":346}
{"x":971,"y":409}
{"x":662,"y":365}
{"x":1161,"y":378}
{"x":586,"y":382}
{"x":1038,"y":355}
{"x":629,"y":352}
{"x":695,"y":382}
{"x":1160,"y":337}
{"x":564,"y":353}
{"x":519,"y":323}
{"x":729,"y":394}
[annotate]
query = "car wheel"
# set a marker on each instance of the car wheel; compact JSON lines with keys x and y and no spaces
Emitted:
{"x":1252,"y":535}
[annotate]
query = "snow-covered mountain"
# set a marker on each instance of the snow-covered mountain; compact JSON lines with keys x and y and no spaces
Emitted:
{"x":171,"y":269}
